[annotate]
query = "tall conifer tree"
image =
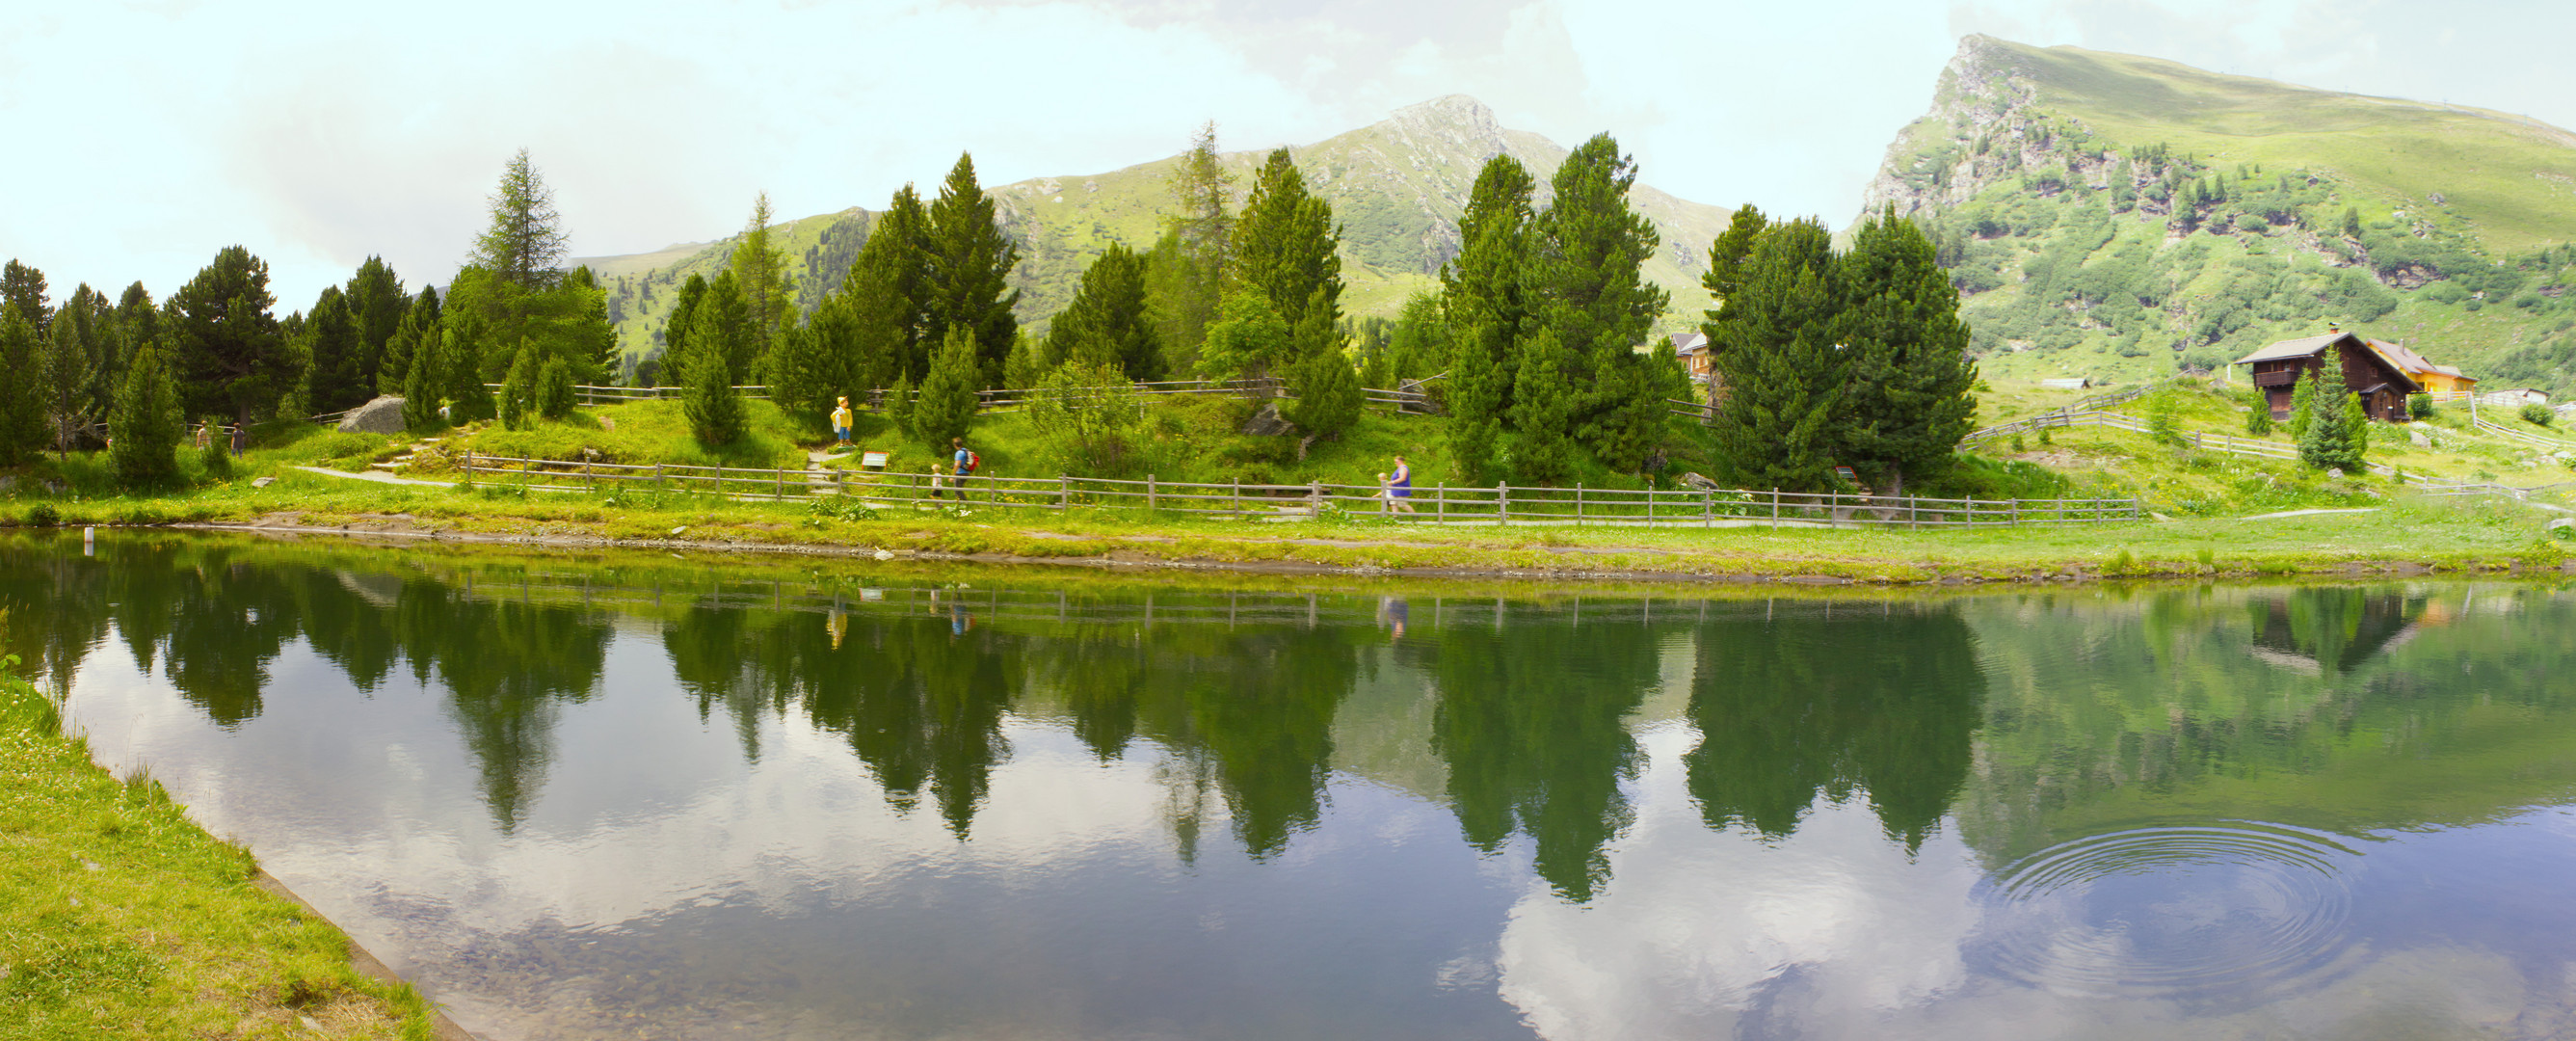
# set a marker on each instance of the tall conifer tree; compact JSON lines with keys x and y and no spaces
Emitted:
{"x":24,"y":286}
{"x":332,"y":342}
{"x":1784,"y":376}
{"x":1185,"y":270}
{"x":1544,"y":409}
{"x":1285,"y":245}
{"x":22,"y":401}
{"x":1910,"y":400}
{"x":229,"y":354}
{"x":1108,"y":322}
{"x":768,"y":288}
{"x":970,"y":271}
{"x":378,"y":305}
{"x":889,"y":282}
{"x":145,"y":426}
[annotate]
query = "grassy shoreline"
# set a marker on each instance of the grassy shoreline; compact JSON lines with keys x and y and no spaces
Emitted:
{"x":119,"y":917}
{"x":2406,"y":535}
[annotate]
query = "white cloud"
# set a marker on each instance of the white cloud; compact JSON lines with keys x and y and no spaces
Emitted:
{"x":149,"y":136}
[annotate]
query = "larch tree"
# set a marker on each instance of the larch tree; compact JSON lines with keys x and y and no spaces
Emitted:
{"x":1108,"y":322}
{"x":230,"y":357}
{"x":1785,"y":376}
{"x":1911,"y":396}
{"x":768,"y":288}
{"x":1186,"y":268}
{"x":970,"y":271}
{"x":524,"y":242}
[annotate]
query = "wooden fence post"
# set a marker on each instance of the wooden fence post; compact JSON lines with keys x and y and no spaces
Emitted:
{"x":1315,"y":495}
{"x":469,"y":467}
{"x":1440,"y":506}
{"x":1578,"y":504}
{"x":782,"y":484}
{"x":1150,"y":498}
{"x":719,"y":480}
{"x":658,"y":483}
{"x":1502,"y":504}
{"x":1063,"y":492}
{"x":1238,"y":495}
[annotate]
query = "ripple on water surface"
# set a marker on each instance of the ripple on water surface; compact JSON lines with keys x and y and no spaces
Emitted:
{"x":2231,"y":910}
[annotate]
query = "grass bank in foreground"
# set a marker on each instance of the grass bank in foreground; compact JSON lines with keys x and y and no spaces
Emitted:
{"x":2401,"y":534}
{"x":119,"y":918}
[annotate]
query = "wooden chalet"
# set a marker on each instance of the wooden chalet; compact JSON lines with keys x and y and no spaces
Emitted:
{"x":2377,"y":375}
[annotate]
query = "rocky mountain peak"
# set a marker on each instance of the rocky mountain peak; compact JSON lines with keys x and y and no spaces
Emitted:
{"x":1452,"y":122}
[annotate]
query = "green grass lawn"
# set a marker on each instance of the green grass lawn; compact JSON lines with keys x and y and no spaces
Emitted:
{"x":119,"y":918}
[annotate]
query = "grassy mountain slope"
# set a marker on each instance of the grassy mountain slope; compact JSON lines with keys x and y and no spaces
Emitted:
{"x":2119,"y":216}
{"x":1396,"y":186}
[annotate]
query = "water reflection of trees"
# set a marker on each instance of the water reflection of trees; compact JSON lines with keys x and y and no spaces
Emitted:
{"x":213,"y":616}
{"x":1532,"y":724}
{"x":1802,"y":700}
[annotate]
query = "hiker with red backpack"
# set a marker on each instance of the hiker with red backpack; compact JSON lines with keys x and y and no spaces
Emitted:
{"x":962,"y":466}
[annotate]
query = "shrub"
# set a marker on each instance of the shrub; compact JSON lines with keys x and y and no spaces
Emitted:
{"x":44,"y":516}
{"x":2258,"y":421}
{"x":2537,"y":414}
{"x":2419,"y":406}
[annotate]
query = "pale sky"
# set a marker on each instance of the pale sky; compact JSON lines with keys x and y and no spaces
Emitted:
{"x":146,"y":136}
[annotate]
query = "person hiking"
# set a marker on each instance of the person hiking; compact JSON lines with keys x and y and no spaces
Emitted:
{"x":1399,"y":491}
{"x":962,"y":465}
{"x":841,"y":420}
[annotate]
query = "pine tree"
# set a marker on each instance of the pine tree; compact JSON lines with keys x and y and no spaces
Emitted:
{"x":1910,"y":400}
{"x":1285,"y":245}
{"x":519,"y":390}
{"x":2352,"y":223}
{"x":1544,"y":409}
{"x":2303,"y":402}
{"x":899,"y":401}
{"x":970,"y":272}
{"x":1637,"y":427}
{"x":145,"y":426}
{"x":1328,"y":394}
{"x":419,"y":327}
{"x":1584,"y":279}
{"x":890,"y":280}
{"x":1481,"y":286}
{"x":1108,"y":321}
{"x":589,"y":345}
{"x":2332,"y":438}
{"x":555,"y":399}
{"x":1478,"y":389}
{"x":378,"y":305}
{"x":948,"y":398}
{"x":524,"y":244}
{"x":229,"y":355}
{"x":332,"y":380}
{"x":1027,"y":364}
{"x":712,"y":404}
{"x":1726,"y":259}
{"x":1420,"y":344}
{"x":720,"y":330}
{"x":22,"y":401}
{"x":25,"y":286}
{"x":424,"y":379}
{"x":462,"y":344}
{"x":68,"y":363}
{"x":768,"y":289}
{"x":675,"y":330}
{"x":1784,"y":375}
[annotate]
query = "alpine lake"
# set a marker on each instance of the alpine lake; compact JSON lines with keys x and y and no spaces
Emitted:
{"x":728,"y":796}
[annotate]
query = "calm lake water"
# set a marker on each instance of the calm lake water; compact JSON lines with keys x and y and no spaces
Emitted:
{"x":639,"y":796}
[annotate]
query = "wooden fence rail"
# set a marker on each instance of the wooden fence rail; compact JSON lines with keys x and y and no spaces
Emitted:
{"x":1439,"y":505}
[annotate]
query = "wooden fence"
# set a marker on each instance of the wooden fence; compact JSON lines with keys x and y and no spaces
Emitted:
{"x":1441,"y":504}
{"x":1410,"y":398}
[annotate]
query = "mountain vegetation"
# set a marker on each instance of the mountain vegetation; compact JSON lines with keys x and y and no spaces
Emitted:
{"x":2114,"y":216}
{"x":1397,"y":189}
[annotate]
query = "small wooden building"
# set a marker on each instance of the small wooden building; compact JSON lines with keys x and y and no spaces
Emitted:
{"x":2381,"y":380}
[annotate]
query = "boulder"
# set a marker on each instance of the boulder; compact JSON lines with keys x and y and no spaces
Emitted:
{"x":381,"y":416}
{"x":1268,"y":423}
{"x":1695,"y":481}
{"x":2421,"y":441}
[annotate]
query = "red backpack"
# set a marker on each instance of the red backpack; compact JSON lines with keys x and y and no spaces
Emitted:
{"x":973,"y":462}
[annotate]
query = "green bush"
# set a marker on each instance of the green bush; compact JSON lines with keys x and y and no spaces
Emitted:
{"x":2537,"y":414}
{"x":2419,"y":406}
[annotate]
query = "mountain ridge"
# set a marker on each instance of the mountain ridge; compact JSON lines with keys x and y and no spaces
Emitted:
{"x":1397,"y":187}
